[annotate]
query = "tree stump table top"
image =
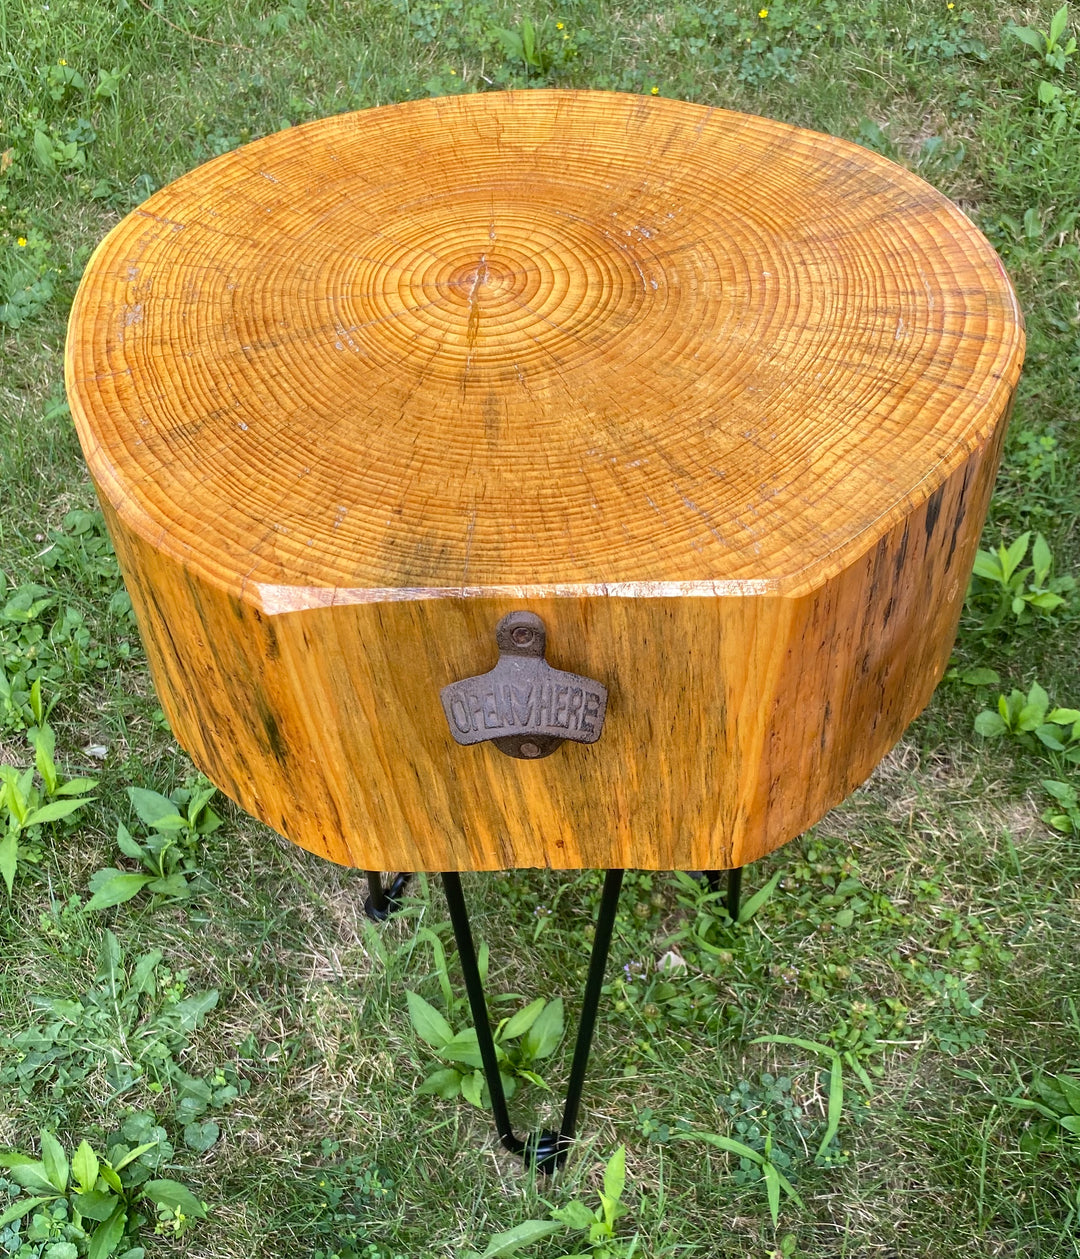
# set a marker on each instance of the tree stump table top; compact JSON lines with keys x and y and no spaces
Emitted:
{"x":719,"y":399}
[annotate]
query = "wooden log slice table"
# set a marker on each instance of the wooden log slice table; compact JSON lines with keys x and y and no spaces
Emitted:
{"x":713,"y":402}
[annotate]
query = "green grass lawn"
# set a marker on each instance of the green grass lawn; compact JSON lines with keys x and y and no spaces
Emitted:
{"x":241,"y":1017}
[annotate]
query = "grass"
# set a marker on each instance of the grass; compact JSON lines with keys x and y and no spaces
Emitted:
{"x":929,"y":929}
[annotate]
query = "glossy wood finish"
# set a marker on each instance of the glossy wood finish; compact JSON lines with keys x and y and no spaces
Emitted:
{"x":719,"y":399}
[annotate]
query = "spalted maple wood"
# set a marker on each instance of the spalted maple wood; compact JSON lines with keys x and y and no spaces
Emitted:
{"x":721,"y":400}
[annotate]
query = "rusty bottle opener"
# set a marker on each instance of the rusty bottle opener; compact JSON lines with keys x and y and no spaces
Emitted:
{"x":523,"y":705}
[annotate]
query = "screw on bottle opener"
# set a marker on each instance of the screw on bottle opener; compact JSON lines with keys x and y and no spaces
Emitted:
{"x":523,"y":705}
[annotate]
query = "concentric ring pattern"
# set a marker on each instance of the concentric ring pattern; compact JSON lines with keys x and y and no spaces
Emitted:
{"x":551,"y":338}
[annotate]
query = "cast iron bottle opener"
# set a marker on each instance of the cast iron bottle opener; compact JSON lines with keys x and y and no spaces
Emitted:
{"x":523,"y":705}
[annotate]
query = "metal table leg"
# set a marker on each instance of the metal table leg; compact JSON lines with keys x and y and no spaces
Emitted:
{"x":734,"y":889}
{"x":381,"y":901}
{"x":547,"y":1149}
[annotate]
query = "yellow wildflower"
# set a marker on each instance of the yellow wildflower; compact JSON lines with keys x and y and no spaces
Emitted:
{"x":560,"y":26}
{"x":63,"y":62}
{"x":950,"y":6}
{"x":763,"y":12}
{"x":654,"y":90}
{"x":21,"y":242}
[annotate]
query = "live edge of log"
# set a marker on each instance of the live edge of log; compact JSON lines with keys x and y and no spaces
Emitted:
{"x":734,"y":722}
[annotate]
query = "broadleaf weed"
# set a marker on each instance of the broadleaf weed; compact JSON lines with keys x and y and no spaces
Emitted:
{"x":595,"y":1226}
{"x":168,"y":852}
{"x":1001,"y":580}
{"x":90,"y":1203}
{"x":132,"y":1022}
{"x":32,"y":802}
{"x":521,"y":1042}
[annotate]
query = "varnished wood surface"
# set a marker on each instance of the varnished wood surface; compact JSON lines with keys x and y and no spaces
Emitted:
{"x":719,"y":399}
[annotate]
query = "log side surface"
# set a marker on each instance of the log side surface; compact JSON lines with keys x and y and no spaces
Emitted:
{"x":720,"y":399}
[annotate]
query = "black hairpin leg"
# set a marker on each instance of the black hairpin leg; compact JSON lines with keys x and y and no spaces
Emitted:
{"x":734,"y":889}
{"x":547,"y":1150}
{"x":380,"y":901}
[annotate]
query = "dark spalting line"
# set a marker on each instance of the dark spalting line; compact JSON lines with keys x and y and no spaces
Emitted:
{"x":163,"y":622}
{"x":886,"y":616}
{"x":933,"y":509}
{"x":221,"y":776}
{"x":210,"y":753}
{"x":901,"y":554}
{"x":273,"y":649}
{"x":191,"y":714}
{"x":492,"y":419}
{"x":213,"y":738}
{"x":875,"y":566}
{"x":826,"y":716}
{"x":339,"y":824}
{"x":961,"y":509}
{"x":413,"y":561}
{"x":278,"y":745}
{"x":195,"y":601}
{"x":877,"y":571}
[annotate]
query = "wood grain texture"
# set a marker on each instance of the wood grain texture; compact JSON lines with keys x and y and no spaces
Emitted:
{"x":721,"y":400}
